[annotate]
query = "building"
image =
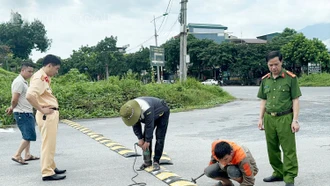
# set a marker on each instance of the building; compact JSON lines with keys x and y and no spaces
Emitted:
{"x":215,"y":32}
{"x":268,"y":37}
{"x":247,"y":41}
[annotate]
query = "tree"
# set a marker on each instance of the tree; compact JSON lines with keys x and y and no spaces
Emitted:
{"x":4,"y":53}
{"x":172,"y":55}
{"x":323,"y":57}
{"x":84,"y":60}
{"x":139,"y":61}
{"x":22,"y":37}
{"x":199,"y":56}
{"x":299,"y":52}
{"x":280,"y":40}
{"x":109,"y":56}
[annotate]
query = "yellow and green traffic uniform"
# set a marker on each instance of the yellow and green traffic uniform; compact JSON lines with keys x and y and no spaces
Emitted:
{"x":279,"y":93}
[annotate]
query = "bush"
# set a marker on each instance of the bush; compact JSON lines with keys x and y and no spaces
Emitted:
{"x":80,"y":98}
{"x":315,"y":80}
{"x":5,"y":95}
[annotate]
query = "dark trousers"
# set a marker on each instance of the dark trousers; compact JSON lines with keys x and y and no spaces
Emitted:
{"x":161,"y":127}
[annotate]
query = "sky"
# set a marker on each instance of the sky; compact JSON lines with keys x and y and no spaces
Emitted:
{"x":75,"y":23}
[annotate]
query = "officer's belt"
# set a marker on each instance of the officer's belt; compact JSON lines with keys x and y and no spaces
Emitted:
{"x":44,"y":117}
{"x":279,"y":113}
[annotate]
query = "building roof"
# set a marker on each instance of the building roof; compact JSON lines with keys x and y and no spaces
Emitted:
{"x":203,"y":25}
{"x":249,"y":41}
{"x":266,"y":35}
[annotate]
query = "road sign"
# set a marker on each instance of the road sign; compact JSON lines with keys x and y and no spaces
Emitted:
{"x":314,"y":68}
{"x":157,"y":56}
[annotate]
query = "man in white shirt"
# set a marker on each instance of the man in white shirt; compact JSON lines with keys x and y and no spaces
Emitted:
{"x":23,"y":114}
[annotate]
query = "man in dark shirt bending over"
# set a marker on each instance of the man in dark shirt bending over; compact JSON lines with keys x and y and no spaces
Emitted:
{"x":154,"y":113}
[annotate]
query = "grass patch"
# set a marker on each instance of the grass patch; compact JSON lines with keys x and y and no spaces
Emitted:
{"x":315,"y":80}
{"x":81,"y":99}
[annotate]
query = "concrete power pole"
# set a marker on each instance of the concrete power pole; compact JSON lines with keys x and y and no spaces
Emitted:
{"x":183,"y":41}
{"x":158,"y":73}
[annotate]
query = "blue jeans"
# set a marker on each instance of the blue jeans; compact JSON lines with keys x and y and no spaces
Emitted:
{"x":26,"y":124}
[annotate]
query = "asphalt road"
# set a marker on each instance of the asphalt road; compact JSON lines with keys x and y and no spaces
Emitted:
{"x":188,"y":143}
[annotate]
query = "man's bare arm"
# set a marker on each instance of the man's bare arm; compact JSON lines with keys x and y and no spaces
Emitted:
{"x":14,"y":102}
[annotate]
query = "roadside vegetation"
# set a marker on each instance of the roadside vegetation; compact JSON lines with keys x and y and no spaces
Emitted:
{"x":315,"y":80}
{"x":80,"y":98}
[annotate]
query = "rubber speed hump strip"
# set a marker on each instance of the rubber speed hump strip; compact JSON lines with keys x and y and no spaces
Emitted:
{"x":112,"y":145}
{"x":163,"y":174}
{"x":169,"y":177}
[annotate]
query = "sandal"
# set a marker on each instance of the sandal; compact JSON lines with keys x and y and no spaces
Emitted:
{"x":31,"y":158}
{"x":145,"y":165}
{"x":156,"y":166}
{"x":19,"y":160}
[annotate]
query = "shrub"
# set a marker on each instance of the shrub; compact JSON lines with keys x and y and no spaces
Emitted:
{"x":80,"y":98}
{"x":315,"y":80}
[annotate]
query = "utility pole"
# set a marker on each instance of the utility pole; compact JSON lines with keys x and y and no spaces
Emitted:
{"x":155,"y":31}
{"x":183,"y":41}
{"x":158,"y":74}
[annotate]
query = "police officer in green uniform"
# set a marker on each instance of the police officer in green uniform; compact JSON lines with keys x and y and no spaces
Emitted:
{"x":279,"y":93}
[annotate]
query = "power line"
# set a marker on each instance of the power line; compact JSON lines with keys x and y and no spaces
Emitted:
{"x":168,"y":8}
{"x":170,"y":30}
{"x":167,"y":11}
{"x":141,"y":43}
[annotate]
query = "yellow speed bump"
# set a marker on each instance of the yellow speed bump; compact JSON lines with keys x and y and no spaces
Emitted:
{"x":114,"y":146}
{"x":169,"y":177}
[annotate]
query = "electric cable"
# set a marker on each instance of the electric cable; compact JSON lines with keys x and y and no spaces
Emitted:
{"x":170,"y":30}
{"x":137,"y":174}
{"x":167,"y":11}
{"x":141,"y":44}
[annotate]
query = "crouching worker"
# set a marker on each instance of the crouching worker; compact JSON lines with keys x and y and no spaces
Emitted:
{"x":231,"y":161}
{"x":154,"y":113}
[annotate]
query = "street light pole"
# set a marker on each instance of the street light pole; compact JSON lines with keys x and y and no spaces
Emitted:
{"x":158,"y":73}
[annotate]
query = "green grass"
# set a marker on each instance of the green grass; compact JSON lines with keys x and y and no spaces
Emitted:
{"x":79,"y":98}
{"x":315,"y":80}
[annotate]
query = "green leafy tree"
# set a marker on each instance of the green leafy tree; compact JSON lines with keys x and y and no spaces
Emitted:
{"x":22,"y":36}
{"x":139,"y":61}
{"x":299,"y":52}
{"x":199,"y":56}
{"x":172,"y":55}
{"x":282,"y":39}
{"x":84,"y":60}
{"x":109,"y":57}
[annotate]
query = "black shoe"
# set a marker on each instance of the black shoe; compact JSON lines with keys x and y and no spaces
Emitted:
{"x":289,"y":184}
{"x":272,"y":179}
{"x":145,"y":165}
{"x":53,"y":178}
{"x":57,"y":171}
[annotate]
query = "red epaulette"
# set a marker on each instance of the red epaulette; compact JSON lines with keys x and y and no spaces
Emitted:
{"x":266,"y":76}
{"x":291,"y":74}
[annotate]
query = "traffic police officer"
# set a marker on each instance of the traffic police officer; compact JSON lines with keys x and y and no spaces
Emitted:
{"x":40,"y":96}
{"x":279,"y":93}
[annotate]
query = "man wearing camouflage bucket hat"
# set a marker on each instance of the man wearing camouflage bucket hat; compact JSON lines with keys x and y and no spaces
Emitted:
{"x":154,"y":113}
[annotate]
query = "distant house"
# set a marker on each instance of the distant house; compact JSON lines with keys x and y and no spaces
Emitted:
{"x":215,"y":32}
{"x":268,"y":37}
